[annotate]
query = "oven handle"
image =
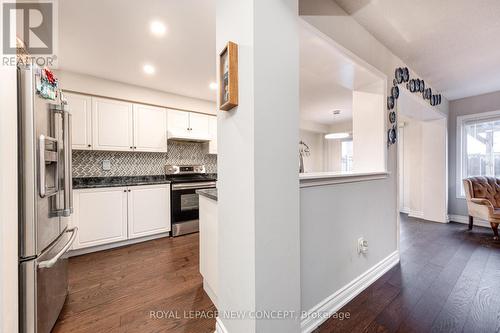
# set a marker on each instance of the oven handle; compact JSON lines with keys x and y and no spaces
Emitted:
{"x":188,"y":186}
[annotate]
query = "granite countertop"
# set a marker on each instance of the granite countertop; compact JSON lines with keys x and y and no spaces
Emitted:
{"x":118,"y":181}
{"x":210,"y":193}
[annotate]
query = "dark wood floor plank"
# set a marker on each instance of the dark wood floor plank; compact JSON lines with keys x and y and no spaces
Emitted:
{"x":484,"y":315}
{"x":456,"y":308}
{"x":434,"y":286}
{"x":115,"y":290}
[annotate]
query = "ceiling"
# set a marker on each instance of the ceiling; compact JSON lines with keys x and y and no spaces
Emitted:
{"x":452,"y":44}
{"x":327,"y":79}
{"x":112,"y":39}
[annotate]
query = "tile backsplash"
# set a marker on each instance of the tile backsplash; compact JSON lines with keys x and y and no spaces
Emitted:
{"x":89,"y":163}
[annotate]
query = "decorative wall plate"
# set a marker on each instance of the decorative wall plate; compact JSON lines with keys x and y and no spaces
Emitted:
{"x":392,"y":117}
{"x":417,"y":85}
{"x":422,"y":86}
{"x":390,"y":102}
{"x":412,"y":85}
{"x":391,"y":135}
{"x":399,"y":75}
{"x":439,"y":99}
{"x":427,"y":93}
{"x":395,"y":92}
{"x":406,"y":74}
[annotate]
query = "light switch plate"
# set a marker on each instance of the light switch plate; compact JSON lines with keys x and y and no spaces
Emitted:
{"x":106,"y":165}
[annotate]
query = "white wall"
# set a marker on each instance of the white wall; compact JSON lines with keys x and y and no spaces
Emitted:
{"x":8,"y":201}
{"x":259,"y":260}
{"x":412,"y":167}
{"x":434,"y":170}
{"x":424,"y":169}
{"x":368,"y":123}
{"x":92,"y":85}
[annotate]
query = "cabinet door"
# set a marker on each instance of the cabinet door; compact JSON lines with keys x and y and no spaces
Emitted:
{"x":212,"y":128}
{"x":148,"y":210}
{"x":100,"y":215}
{"x":81,"y":115}
{"x":178,"y":122}
{"x":198,"y":125}
{"x":112,"y":124}
{"x":150,"y":128}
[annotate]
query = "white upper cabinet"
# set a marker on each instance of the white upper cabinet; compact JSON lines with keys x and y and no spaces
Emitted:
{"x":178,"y":123}
{"x":212,"y":130}
{"x":80,"y":107}
{"x":148,"y":210}
{"x":150,"y":128}
{"x":188,"y":125}
{"x":112,"y":124}
{"x":198,"y":125}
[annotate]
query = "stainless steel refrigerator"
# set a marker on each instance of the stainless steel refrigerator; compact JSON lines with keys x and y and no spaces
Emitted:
{"x":45,"y":202}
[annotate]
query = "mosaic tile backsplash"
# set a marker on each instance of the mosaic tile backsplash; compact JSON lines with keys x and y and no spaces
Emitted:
{"x":89,"y":163}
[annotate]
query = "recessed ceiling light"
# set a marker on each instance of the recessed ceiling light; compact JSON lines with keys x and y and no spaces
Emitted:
{"x":213,"y":85}
{"x":158,"y":28}
{"x":148,"y":69}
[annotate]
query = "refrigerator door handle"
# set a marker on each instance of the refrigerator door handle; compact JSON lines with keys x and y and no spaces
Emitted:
{"x":68,"y":174}
{"x":51,"y":262}
{"x":53,"y":157}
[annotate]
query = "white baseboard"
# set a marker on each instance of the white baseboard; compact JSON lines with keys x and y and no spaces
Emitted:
{"x":337,"y":300}
{"x":415,"y":213}
{"x":103,"y":247}
{"x":405,"y":210}
{"x":465,"y":219}
{"x":219,"y":326}
{"x":208,"y":289}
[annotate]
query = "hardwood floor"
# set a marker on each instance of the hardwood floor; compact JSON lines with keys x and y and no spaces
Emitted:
{"x":126,"y":290}
{"x":448,"y":281}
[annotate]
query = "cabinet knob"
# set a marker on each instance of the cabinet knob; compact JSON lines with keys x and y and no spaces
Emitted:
{"x":124,"y":190}
{"x":89,"y":146}
{"x":131,"y":147}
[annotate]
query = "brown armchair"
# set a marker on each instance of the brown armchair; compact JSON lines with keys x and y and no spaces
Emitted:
{"x":483,"y":200}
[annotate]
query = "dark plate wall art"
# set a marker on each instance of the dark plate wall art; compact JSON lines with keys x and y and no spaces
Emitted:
{"x":395,"y":92}
{"x":392,"y":117}
{"x":413,"y":85}
{"x":390,"y":102}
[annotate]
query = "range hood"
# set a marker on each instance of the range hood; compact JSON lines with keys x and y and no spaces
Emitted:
{"x":187,"y":136}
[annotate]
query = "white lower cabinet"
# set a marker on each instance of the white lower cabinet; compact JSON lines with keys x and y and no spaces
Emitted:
{"x":148,"y":210}
{"x":113,"y":214}
{"x":100,"y":215}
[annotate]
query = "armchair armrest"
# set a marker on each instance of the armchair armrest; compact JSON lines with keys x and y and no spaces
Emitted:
{"x":485,"y":202}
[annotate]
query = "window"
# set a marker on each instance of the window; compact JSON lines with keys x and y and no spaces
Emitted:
{"x":347,"y":156}
{"x":479,"y":150}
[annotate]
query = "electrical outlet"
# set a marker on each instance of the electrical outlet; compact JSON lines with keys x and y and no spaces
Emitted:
{"x":362,"y":246}
{"x":106,"y":165}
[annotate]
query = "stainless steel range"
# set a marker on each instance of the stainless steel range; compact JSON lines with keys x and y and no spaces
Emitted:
{"x":186,"y":179}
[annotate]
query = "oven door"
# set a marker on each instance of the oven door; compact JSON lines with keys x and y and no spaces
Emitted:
{"x":185,"y":207}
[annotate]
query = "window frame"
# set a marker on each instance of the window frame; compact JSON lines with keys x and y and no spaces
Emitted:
{"x":461,"y":158}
